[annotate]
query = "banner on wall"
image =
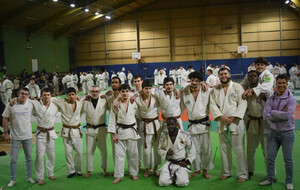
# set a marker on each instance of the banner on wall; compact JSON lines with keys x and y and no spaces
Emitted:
{"x":34,"y":63}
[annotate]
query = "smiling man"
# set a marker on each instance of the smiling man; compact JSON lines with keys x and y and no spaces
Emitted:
{"x":228,"y":109}
{"x":279,"y":112}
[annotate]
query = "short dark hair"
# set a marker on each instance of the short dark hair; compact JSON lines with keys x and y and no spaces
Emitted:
{"x":47,"y":89}
{"x":147,"y":83}
{"x":282,"y":76}
{"x":33,"y":78}
{"x":195,"y":75}
{"x":24,"y":89}
{"x":71,"y":89}
{"x":124,"y":87}
{"x":210,"y":71}
{"x":168,"y":79}
{"x":117,"y":79}
{"x":260,"y":60}
{"x":223,"y":69}
{"x":253,"y":71}
{"x":137,"y":76}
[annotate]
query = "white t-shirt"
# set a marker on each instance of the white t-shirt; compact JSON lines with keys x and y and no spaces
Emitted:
{"x":20,"y":117}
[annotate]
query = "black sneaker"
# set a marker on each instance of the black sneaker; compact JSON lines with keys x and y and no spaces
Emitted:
{"x":79,"y":174}
{"x":71,"y":175}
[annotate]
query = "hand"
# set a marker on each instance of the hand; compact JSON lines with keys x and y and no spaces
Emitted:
{"x":263,"y":96}
{"x":12,"y":102}
{"x":116,"y":104}
{"x":108,"y":93}
{"x":183,"y":164}
{"x":103,"y":96}
{"x":133,"y":98}
{"x":115,"y":138}
{"x":7,"y":138}
{"x":78,"y":98}
{"x":203,"y":87}
{"x":244,"y":95}
{"x":177,"y":93}
{"x":285,"y":109}
{"x":170,"y":152}
{"x":88,"y":98}
{"x":226,"y":120}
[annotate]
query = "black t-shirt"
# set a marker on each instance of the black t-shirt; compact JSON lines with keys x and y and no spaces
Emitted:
{"x":94,"y":102}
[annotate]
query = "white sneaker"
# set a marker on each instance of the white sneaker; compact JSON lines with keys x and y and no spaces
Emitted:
{"x":30,"y":180}
{"x":11,"y":183}
{"x":289,"y":186}
{"x":266,"y":182}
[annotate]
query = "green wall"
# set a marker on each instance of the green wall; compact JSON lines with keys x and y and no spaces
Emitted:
{"x":52,"y":55}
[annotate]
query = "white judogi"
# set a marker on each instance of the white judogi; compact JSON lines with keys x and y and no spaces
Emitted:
{"x":67,"y":80}
{"x":45,"y":141}
{"x":72,"y":138}
{"x":95,"y":136}
{"x":160,"y":80}
{"x":282,"y":70}
{"x":212,"y":80}
{"x":178,"y":73}
{"x":174,"y":76}
{"x":97,"y":79}
{"x":150,"y":130}
{"x":34,"y":90}
{"x":83,"y":81}
{"x":200,"y":133}
{"x":113,"y":75}
{"x":170,"y":106}
{"x":8,"y":86}
{"x":257,"y":129}
{"x":122,"y":77}
{"x":183,"y":140}
{"x":55,"y":85}
{"x":276,"y":71}
{"x":106,"y":78}
{"x":127,"y":144}
{"x":101,"y":81}
{"x":216,"y":72}
{"x":74,"y":81}
{"x":185,"y":78}
{"x":270,"y":68}
{"x":129,"y":77}
{"x":294,"y":77}
{"x":89,"y":82}
{"x":230,"y":104}
{"x":156,"y":73}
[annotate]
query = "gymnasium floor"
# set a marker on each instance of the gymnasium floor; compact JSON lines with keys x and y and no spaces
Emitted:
{"x":97,"y":181}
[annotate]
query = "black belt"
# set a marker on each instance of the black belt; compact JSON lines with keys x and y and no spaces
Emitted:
{"x":123,"y":126}
{"x":95,"y":126}
{"x":200,"y":121}
{"x":177,"y":163}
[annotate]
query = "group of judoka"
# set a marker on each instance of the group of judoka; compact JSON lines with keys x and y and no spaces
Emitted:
{"x":137,"y":133}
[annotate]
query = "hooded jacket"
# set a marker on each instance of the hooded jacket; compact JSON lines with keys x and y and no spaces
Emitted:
{"x":279,"y":120}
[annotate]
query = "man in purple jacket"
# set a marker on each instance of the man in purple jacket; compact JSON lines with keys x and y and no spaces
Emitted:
{"x":279,"y":112}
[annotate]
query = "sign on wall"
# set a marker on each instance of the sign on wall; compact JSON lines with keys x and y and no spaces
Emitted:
{"x":35,"y":66}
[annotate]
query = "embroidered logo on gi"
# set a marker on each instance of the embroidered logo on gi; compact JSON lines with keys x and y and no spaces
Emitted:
{"x":187,"y":102}
{"x":233,"y":95}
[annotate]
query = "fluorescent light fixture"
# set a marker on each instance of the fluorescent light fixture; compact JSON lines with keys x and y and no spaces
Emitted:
{"x":108,"y":17}
{"x":86,"y":10}
{"x":55,"y":0}
{"x":72,"y":5}
{"x":96,"y":13}
{"x":287,"y":1}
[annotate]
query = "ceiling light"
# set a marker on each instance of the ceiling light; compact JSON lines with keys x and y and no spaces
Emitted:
{"x":287,"y":1}
{"x":72,"y":5}
{"x":108,"y":17}
{"x":55,"y":0}
{"x":96,"y":13}
{"x":86,"y":10}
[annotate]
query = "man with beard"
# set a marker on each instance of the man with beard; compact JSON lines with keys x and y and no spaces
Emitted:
{"x":95,"y":110}
{"x":257,"y":127}
{"x":228,"y":109}
{"x":173,"y":148}
{"x":265,"y":81}
{"x":197,"y":103}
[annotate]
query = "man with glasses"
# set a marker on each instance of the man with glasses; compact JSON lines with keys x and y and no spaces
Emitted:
{"x":21,"y":133}
{"x":96,"y":132}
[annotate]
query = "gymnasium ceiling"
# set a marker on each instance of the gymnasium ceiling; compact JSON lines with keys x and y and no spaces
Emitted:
{"x":60,"y":19}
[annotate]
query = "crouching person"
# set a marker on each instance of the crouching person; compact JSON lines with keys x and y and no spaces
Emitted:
{"x":173,"y":147}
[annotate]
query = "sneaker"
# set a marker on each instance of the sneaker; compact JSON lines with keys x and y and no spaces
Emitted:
{"x":289,"y":186}
{"x":71,"y":175}
{"x":30,"y":180}
{"x":266,"y":182}
{"x":11,"y":183}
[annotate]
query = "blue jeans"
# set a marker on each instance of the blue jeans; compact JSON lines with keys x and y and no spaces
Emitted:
{"x":14,"y":151}
{"x":274,"y":141}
